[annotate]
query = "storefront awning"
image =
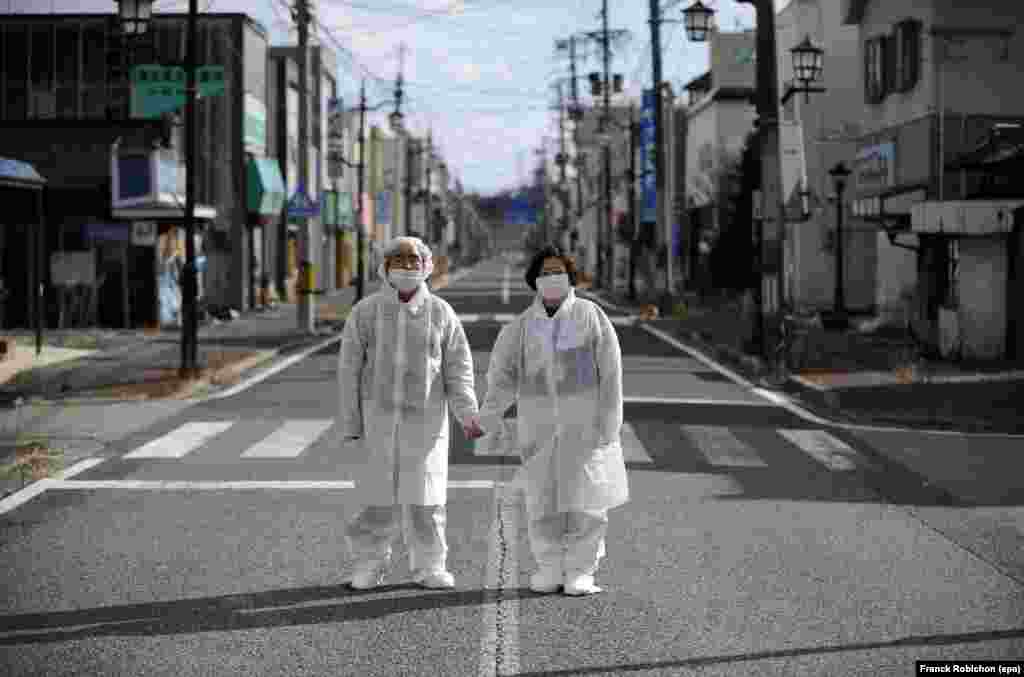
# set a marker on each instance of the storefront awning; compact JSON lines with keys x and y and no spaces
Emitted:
{"x":18,"y":174}
{"x":964,"y":217}
{"x":266,"y":189}
{"x":167,"y":211}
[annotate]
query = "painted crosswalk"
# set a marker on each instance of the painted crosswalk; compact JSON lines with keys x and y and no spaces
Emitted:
{"x":716,"y":446}
{"x":505,"y":318}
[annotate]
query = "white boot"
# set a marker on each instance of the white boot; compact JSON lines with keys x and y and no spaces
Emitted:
{"x":580,"y":584}
{"x":434,"y":578}
{"x":367,"y":575}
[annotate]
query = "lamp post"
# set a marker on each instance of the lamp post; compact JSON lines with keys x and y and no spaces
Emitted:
{"x":134,"y":16}
{"x":839,"y":175}
{"x":807,"y":64}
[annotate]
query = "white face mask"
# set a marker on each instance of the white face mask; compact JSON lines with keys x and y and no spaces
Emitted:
{"x":405,"y":280}
{"x":553,"y":287}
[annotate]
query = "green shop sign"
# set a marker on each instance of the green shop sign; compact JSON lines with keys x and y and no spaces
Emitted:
{"x":161,"y":89}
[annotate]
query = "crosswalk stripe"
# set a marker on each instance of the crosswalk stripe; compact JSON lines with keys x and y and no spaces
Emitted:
{"x":290,"y":440}
{"x":181,"y":440}
{"x":505,"y":318}
{"x":823,"y":447}
{"x":720,"y":447}
{"x":633,"y":450}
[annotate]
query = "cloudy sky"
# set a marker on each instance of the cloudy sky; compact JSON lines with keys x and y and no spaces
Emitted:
{"x":481,"y":74}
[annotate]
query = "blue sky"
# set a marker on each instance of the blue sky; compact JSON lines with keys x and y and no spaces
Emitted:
{"x":479,"y":73}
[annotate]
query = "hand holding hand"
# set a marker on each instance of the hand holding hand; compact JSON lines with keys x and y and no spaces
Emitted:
{"x":471,"y":428}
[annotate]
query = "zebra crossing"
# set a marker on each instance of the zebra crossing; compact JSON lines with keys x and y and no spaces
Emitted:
{"x":505,"y":318}
{"x":718,"y":446}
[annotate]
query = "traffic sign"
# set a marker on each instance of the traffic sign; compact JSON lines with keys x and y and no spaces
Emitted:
{"x":300,"y":206}
{"x":157,"y":89}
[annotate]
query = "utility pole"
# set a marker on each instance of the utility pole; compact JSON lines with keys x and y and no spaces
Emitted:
{"x":634,"y":218}
{"x":576,"y":134}
{"x":563,"y":159}
{"x":360,"y":274}
{"x":659,"y":153}
{"x":409,"y":141}
{"x":306,"y":314}
{"x":189,"y":329}
{"x":431,"y":232}
{"x":400,"y":135}
{"x":605,"y":246}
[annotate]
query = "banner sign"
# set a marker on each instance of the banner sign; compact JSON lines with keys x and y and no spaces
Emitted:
{"x":383,"y":204}
{"x":648,"y":185}
{"x":254,"y":128}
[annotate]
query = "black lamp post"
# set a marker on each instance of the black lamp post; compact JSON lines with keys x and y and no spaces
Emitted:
{"x":134,"y":16}
{"x":839,"y":175}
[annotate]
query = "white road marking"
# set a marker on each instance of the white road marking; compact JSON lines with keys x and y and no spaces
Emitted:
{"x":279,"y":367}
{"x":469,"y":318}
{"x":79,"y":468}
{"x":181,"y":440}
{"x":289,"y":440}
{"x":505,"y":286}
{"x":25,"y":495}
{"x":834,"y":454}
{"x":633,"y":450}
{"x":214,"y":485}
{"x":499,"y":646}
{"x":721,"y":448}
{"x":641,"y":399}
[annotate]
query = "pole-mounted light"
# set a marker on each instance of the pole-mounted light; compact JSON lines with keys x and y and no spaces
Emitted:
{"x":699,"y":20}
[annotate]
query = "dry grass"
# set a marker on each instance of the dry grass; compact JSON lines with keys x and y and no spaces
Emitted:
{"x":33,"y":460}
{"x":221,"y":368}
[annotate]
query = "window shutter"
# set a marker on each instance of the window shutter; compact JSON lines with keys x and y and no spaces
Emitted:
{"x":910,"y":46}
{"x":890,"y":63}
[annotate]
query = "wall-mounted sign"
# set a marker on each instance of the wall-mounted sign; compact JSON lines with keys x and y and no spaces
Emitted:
{"x":875,"y":167}
{"x":68,"y":268}
{"x":254,"y":130}
{"x":648,"y":185}
{"x":157,"y":89}
{"x":144,"y":233}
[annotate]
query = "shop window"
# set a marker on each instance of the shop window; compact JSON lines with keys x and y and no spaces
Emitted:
{"x":16,"y":72}
{"x":67,"y":73}
{"x":908,"y":50}
{"x":94,"y":54}
{"x":41,"y":102}
{"x":874,"y":69}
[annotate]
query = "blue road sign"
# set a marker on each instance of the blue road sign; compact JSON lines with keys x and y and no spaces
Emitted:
{"x":300,"y":206}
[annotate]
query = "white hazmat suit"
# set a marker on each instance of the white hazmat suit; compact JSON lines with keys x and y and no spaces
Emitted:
{"x":565,"y":373}
{"x":400,"y":367}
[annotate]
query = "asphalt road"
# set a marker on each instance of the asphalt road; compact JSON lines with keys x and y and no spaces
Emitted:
{"x":757,"y":542}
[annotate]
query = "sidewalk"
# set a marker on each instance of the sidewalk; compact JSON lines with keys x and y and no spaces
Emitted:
{"x":860,"y":376}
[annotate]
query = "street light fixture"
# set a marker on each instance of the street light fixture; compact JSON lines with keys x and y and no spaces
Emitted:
{"x":134,"y":16}
{"x":839,"y":173}
{"x":699,"y":21}
{"x":807,"y":65}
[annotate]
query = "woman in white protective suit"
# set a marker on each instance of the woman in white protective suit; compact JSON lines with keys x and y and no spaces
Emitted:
{"x":404,"y":359}
{"x":561,"y":363}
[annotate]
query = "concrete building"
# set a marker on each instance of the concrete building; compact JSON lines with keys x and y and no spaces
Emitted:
{"x":114,"y":177}
{"x":940,"y":80}
{"x":818,"y":131}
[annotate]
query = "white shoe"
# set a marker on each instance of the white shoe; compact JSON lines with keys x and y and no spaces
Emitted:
{"x":582,"y":584}
{"x":434,"y":578}
{"x":367,"y":576}
{"x":546,"y":579}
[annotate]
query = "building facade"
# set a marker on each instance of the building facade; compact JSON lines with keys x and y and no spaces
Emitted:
{"x":939,"y":80}
{"x":88,"y":125}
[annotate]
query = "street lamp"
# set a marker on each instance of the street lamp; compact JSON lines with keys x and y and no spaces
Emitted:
{"x":699,"y":21}
{"x":134,"y":16}
{"x":807,"y":65}
{"x":839,"y":174}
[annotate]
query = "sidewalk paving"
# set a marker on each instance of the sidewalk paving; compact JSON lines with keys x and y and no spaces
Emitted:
{"x":862,"y":377}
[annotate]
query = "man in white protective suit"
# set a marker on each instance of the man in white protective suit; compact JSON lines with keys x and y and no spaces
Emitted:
{"x":561,"y":363}
{"x":404,"y":359}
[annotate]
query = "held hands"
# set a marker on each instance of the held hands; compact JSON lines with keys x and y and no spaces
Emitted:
{"x":471,"y":428}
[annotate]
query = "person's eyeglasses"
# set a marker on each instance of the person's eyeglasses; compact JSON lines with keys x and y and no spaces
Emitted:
{"x":407,"y":261}
{"x":549,"y":273}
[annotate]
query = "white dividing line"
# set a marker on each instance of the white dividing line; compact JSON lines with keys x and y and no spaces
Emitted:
{"x":290,"y":440}
{"x":721,"y":448}
{"x":774,"y":398}
{"x":280,"y":366}
{"x":633,"y":450}
{"x":25,"y":495}
{"x":79,"y":468}
{"x":834,"y":454}
{"x":505,"y":285}
{"x":641,"y":399}
{"x":499,"y":645}
{"x":211,"y":485}
{"x":181,"y":440}
{"x":469,"y":318}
